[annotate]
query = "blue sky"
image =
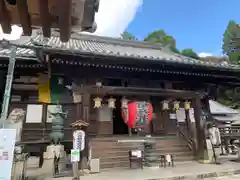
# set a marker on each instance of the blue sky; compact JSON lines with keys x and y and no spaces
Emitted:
{"x":197,"y":24}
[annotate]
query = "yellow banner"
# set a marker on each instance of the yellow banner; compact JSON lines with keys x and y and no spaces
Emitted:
{"x":44,"y":89}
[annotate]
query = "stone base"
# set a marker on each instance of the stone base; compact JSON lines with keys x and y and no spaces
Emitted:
{"x":48,"y":164}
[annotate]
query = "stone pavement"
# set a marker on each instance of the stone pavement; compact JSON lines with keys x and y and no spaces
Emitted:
{"x":186,"y":170}
{"x":233,"y":177}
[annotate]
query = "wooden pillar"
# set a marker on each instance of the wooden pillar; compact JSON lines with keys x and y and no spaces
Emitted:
{"x":166,"y":113}
{"x":207,"y":107}
{"x":165,"y":116}
{"x":86,"y":104}
{"x":201,"y":139}
{"x":188,"y":122}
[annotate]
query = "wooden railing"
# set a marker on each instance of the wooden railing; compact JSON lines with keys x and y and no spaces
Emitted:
{"x":183,"y":132}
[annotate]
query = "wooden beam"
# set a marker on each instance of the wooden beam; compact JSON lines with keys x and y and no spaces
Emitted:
{"x":117,"y":90}
{"x":200,"y":125}
{"x":24,"y":17}
{"x":4,"y":18}
{"x":46,"y":18}
{"x":64,"y":14}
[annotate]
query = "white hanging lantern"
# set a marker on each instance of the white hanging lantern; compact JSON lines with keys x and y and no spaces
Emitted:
{"x":124,"y":103}
{"x":176,"y":105}
{"x":187,"y":105}
{"x":97,"y":102}
{"x":111,"y":103}
{"x":165,"y":105}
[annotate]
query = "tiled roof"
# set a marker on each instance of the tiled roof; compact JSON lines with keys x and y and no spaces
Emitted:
{"x":115,"y":47}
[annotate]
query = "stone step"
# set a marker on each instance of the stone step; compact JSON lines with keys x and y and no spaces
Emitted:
{"x":119,"y":157}
{"x":114,"y":154}
{"x":125,"y":162}
{"x":110,"y":145}
{"x":125,"y":152}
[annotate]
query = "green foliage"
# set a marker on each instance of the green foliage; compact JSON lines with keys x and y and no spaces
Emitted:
{"x":128,"y":36}
{"x":190,"y":53}
{"x":230,"y":35}
{"x":161,"y":37}
{"x":230,"y":97}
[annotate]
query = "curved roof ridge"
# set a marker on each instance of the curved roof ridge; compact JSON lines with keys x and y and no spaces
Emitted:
{"x":111,"y":40}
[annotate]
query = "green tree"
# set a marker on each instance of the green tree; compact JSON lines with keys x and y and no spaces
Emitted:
{"x":161,"y":37}
{"x":128,"y":36}
{"x":231,"y":34}
{"x":231,"y":42}
{"x":230,"y":97}
{"x":190,"y":53}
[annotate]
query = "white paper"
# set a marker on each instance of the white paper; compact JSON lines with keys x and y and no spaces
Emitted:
{"x":105,"y":113}
{"x":181,"y":116}
{"x":137,"y":153}
{"x":75,"y":155}
{"x":168,"y":158}
{"x":191,"y":115}
{"x":7,"y":144}
{"x":34,"y":113}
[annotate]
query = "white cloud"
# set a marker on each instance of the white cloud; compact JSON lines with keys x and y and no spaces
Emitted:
{"x":204,"y":54}
{"x":112,"y":18}
{"x":115,"y":16}
{"x":15,"y":34}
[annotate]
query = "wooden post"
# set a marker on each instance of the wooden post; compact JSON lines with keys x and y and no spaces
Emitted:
{"x":188,"y":122}
{"x":86,"y":104}
{"x":165,"y":116}
{"x":201,"y":139}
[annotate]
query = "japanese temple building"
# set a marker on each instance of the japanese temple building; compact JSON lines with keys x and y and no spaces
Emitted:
{"x":89,"y":67}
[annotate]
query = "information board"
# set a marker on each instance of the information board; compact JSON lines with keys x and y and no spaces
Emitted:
{"x":75,"y":155}
{"x":7,"y":144}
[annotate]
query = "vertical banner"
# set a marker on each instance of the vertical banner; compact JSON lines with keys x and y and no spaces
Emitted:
{"x":44,"y":89}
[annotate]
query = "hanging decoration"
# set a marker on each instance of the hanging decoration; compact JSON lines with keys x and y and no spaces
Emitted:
{"x":97,"y":102}
{"x":137,"y":114}
{"x":187,"y":105}
{"x":111,"y":103}
{"x":124,"y":103}
{"x":176,"y":105}
{"x":165,"y":105}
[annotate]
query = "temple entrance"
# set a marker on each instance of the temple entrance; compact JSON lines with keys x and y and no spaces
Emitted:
{"x":119,"y":126}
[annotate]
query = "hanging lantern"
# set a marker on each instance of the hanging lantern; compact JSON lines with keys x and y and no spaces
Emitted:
{"x":176,"y":105}
{"x":111,"y":103}
{"x":187,"y":105}
{"x":165,"y":105}
{"x":97,"y":102}
{"x":124,"y":103}
{"x":137,"y":114}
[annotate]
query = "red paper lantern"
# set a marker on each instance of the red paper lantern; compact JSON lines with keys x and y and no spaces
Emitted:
{"x":137,"y":114}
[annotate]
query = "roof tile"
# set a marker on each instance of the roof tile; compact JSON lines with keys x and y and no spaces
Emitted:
{"x":114,"y":47}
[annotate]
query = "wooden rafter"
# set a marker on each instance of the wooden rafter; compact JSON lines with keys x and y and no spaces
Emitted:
{"x":4,"y":18}
{"x":46,"y":18}
{"x":64,"y":14}
{"x":24,"y":17}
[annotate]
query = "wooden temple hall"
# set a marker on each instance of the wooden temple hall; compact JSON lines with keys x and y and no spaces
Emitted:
{"x":93,"y":77}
